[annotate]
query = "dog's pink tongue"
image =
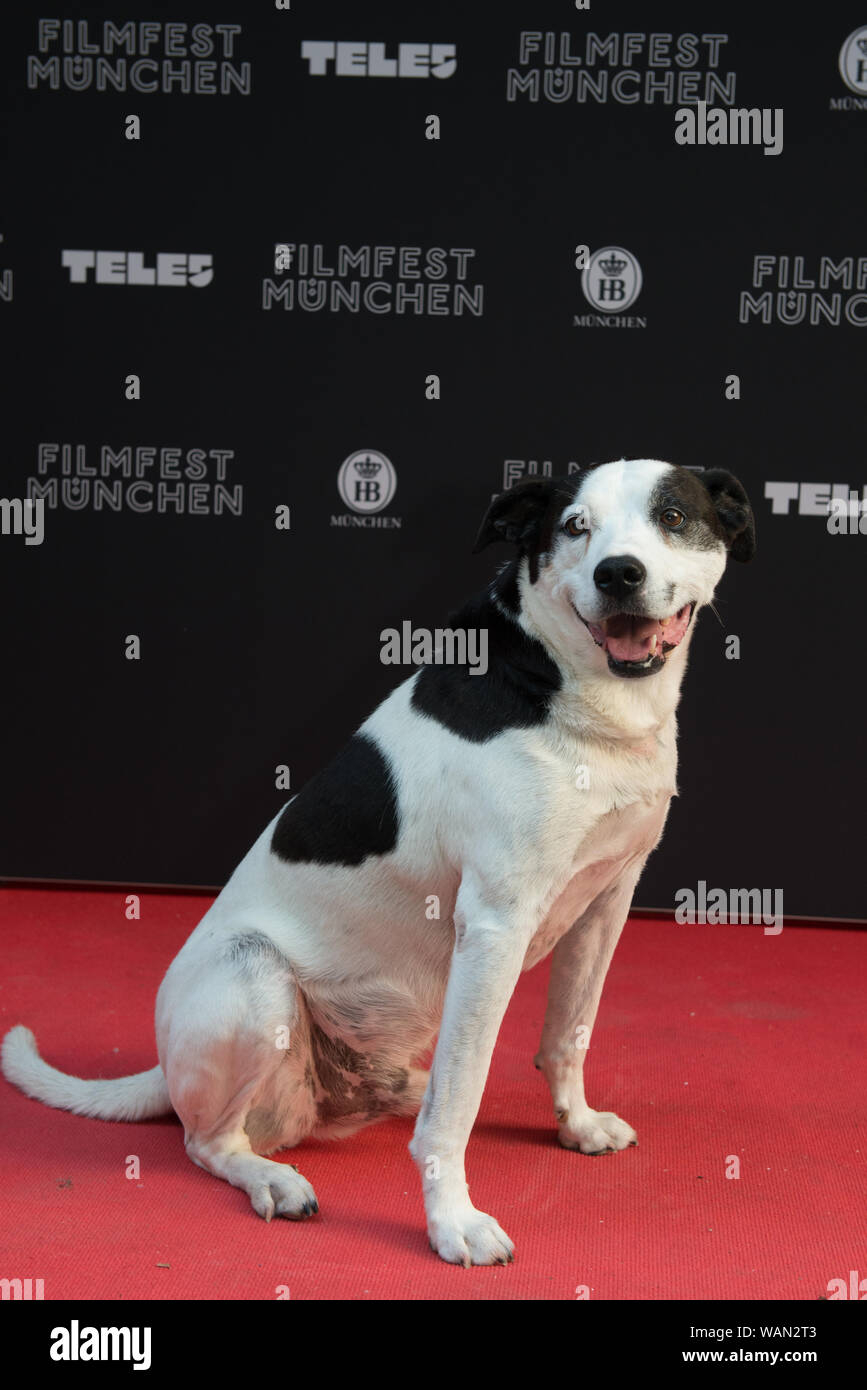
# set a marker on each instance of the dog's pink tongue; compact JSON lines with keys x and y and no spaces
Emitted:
{"x":630,"y":639}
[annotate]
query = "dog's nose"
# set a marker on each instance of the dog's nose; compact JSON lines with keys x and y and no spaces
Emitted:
{"x":619,"y":575}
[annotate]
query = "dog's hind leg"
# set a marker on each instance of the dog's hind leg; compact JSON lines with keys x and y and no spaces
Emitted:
{"x":234,"y":1043}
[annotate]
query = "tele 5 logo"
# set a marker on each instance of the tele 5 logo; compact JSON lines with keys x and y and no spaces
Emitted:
{"x":129,"y":268}
{"x":370,"y":60}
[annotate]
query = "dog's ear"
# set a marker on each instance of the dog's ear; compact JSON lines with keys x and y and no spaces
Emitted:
{"x":517,"y":515}
{"x":734,"y":513}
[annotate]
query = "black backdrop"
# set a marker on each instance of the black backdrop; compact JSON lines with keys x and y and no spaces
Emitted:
{"x":260,"y":646}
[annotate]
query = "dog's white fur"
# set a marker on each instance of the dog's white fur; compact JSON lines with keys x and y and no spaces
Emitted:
{"x":521,"y":858}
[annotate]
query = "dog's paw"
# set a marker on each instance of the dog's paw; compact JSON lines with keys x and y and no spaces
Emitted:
{"x":470,"y":1237}
{"x":594,"y":1131}
{"x":286,"y":1194}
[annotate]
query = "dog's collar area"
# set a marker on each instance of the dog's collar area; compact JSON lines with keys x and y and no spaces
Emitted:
{"x":637,"y":644}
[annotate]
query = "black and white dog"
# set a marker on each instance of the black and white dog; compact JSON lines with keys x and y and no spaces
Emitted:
{"x":473,"y":824}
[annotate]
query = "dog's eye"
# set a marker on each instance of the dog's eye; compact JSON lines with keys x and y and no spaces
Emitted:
{"x":672,"y":518}
{"x":576,"y":525}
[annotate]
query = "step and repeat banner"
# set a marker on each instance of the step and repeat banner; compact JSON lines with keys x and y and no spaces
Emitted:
{"x":291,"y":290}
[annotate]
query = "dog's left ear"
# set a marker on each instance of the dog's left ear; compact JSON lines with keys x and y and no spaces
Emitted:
{"x":733,"y":510}
{"x":516,"y":515}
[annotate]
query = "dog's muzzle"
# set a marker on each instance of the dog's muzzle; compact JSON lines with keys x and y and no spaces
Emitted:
{"x":637,"y":645}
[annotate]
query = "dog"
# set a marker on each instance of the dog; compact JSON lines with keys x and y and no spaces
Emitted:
{"x":475,"y":823}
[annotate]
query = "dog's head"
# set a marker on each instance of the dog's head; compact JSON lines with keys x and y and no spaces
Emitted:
{"x":626,"y":551}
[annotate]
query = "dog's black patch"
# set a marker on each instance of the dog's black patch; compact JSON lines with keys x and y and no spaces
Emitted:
{"x":526,"y":516}
{"x":397,"y":1080}
{"x":344,"y":813}
{"x":715,"y":506}
{"x":352,"y":1083}
{"x":506,"y":587}
{"x":516,"y":690}
{"x":733,"y":510}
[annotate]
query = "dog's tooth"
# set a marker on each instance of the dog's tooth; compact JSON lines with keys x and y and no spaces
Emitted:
{"x":653,"y":645}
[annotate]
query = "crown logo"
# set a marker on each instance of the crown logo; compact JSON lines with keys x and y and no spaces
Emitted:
{"x":367,"y":467}
{"x":862,"y":44}
{"x":613,"y":266}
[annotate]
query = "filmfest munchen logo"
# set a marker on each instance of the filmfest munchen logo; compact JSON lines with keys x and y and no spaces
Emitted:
{"x":148,"y":56}
{"x":611,"y":282}
{"x":367,"y":482}
{"x":807,"y":289}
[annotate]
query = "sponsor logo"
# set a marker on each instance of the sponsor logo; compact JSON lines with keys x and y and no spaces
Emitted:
{"x":374,"y":280}
{"x":853,"y":61}
{"x":720,"y":125}
{"x":330,"y":58}
{"x":852,"y":66}
{"x":135,"y":478}
{"x":813,"y":499}
{"x":800,"y":289}
{"x":367,"y":481}
{"x":516,"y":469}
{"x":626,"y":68}
{"x":78,"y":55}
{"x":611,"y":281}
{"x":129,"y":268}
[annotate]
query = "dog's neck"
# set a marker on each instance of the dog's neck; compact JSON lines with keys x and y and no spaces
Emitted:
{"x":592,"y":702}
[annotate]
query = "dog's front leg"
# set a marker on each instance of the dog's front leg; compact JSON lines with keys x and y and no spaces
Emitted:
{"x":486,"y":962}
{"x":579,"y":965}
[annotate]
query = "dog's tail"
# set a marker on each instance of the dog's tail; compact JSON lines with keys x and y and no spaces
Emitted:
{"x":126,"y":1098}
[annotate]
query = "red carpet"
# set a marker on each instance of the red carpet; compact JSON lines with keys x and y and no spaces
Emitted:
{"x":712,"y":1041}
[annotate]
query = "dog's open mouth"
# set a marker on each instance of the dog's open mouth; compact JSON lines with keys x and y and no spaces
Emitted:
{"x":637,"y":645}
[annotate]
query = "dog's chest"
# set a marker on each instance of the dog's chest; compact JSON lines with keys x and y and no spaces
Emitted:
{"x":617,"y":838}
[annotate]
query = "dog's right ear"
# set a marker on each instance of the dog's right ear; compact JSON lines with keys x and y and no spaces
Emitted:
{"x":517,"y":515}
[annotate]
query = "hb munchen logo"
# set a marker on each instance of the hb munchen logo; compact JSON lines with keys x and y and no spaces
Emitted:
{"x":611,"y":281}
{"x":367,"y":482}
{"x":852,"y":63}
